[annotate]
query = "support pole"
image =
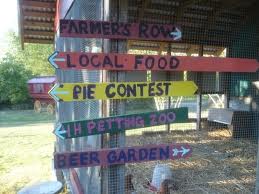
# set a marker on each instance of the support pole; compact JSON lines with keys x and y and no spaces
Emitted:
{"x":199,"y":94}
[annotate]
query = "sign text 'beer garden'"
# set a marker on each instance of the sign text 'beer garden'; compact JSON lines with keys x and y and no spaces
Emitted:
{"x":107,"y":157}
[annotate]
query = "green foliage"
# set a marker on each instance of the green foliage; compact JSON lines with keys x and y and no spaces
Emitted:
{"x":13,"y":82}
{"x":18,"y":66}
{"x":34,"y":57}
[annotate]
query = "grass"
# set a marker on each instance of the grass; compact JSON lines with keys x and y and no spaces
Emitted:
{"x":26,"y":149}
{"x":25,"y":117}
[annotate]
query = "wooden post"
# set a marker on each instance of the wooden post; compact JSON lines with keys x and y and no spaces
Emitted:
{"x":116,"y":173}
{"x":199,"y":94}
{"x":168,"y":77}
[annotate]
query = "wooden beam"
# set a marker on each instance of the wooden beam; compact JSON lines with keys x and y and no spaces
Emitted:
{"x":141,"y":10}
{"x":38,"y":24}
{"x":20,"y":23}
{"x":38,"y":4}
{"x":39,"y":33}
{"x":183,"y":6}
{"x":39,"y":14}
{"x":40,"y":41}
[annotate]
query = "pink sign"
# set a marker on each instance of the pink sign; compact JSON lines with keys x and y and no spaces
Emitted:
{"x":119,"y":30}
{"x":107,"y":157}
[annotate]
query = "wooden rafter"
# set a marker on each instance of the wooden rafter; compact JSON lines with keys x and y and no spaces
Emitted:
{"x":37,"y":40}
{"x":38,"y":14}
{"x":39,"y":24}
{"x":39,"y":33}
{"x":37,"y":4}
{"x":182,"y":7}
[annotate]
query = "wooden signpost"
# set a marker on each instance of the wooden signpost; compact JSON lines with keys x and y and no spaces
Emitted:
{"x":121,"y":90}
{"x":120,"y":123}
{"x":107,"y":157}
{"x":119,"y":30}
{"x":128,"y":62}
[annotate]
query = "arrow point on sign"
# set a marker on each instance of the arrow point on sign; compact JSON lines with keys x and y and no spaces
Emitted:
{"x":175,"y":152}
{"x":52,"y":92}
{"x":176,"y":34}
{"x":59,"y":132}
{"x":53,"y":59}
{"x":185,"y":151}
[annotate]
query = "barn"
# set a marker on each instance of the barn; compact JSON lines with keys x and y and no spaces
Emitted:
{"x":38,"y":89}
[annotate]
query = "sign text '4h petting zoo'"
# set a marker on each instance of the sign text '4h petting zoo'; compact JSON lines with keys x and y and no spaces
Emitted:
{"x":119,"y":30}
{"x":130,"y":62}
{"x":107,"y":157}
{"x":121,"y":90}
{"x":117,"y":124}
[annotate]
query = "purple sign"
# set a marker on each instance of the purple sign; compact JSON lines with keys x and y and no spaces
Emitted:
{"x":107,"y":157}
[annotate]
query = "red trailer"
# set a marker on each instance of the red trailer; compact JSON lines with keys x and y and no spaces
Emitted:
{"x":38,"y":89}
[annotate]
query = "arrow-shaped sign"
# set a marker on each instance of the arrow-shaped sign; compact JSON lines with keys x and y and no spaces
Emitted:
{"x":177,"y":34}
{"x":107,"y":157}
{"x":119,"y":30}
{"x":53,"y":59}
{"x":183,"y":151}
{"x":129,"y":62}
{"x":121,"y":90}
{"x":60,"y":132}
{"x":121,"y":123}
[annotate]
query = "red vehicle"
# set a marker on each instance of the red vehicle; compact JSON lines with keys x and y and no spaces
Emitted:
{"x":38,"y":89}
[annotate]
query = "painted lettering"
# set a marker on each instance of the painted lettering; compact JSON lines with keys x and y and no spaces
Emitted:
{"x":72,"y":28}
{"x":108,"y":91}
{"x":174,"y":62}
{"x":83,"y":60}
{"x":122,"y":157}
{"x":143,"y":154}
{"x":90,"y":126}
{"x":164,"y":153}
{"x":101,"y":127}
{"x":138,"y":61}
{"x":143,"y":30}
{"x":76,"y":91}
{"x":63,"y":25}
{"x":131,"y":155}
{"x":153,"y":154}
{"x":93,"y":61}
{"x":61,"y":161}
{"x":95,"y":27}
{"x":111,"y":157}
{"x":94,"y":158}
{"x":69,"y":64}
{"x":84,"y":158}
{"x":73,"y":159}
{"x":82,"y":27}
{"x":77,"y":129}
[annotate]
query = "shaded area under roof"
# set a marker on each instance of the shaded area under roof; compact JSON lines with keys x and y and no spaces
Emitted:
{"x":36,"y":21}
{"x":207,"y":22}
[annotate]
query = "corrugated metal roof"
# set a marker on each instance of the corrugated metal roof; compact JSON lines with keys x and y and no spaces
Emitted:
{"x":45,"y":79}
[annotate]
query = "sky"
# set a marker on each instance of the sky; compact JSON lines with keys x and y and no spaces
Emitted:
{"x":9,"y":21}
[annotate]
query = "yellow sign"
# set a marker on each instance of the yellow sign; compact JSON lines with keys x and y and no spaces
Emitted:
{"x":123,"y":90}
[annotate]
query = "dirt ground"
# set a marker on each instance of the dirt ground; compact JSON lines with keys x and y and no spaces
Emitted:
{"x":219,"y":164}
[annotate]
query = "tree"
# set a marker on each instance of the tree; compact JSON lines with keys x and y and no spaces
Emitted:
{"x":13,"y":82}
{"x":33,"y":57}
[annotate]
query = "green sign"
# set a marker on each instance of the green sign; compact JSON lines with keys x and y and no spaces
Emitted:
{"x":120,"y":123}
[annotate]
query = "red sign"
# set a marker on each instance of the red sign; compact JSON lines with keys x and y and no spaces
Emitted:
{"x":107,"y":157}
{"x":128,"y":62}
{"x":118,"y":30}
